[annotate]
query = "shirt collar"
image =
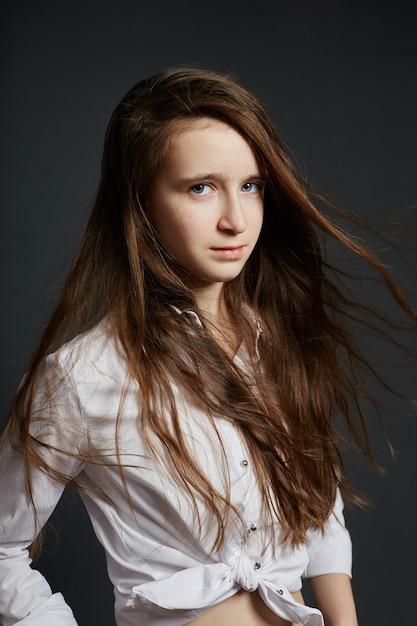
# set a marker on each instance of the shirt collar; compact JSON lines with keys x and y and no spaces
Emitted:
{"x":193,"y":315}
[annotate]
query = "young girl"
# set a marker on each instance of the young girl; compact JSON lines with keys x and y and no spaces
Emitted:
{"x":190,"y":379}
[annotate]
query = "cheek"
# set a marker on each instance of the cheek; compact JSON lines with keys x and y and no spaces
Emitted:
{"x":179,"y":235}
{"x":190,"y":226}
{"x":257,"y":221}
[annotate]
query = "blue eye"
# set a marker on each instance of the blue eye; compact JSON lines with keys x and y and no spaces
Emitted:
{"x":200,"y":189}
{"x":251,"y":187}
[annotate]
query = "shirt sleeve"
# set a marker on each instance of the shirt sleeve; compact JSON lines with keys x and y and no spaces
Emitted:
{"x":25,"y":596}
{"x":330,"y":552}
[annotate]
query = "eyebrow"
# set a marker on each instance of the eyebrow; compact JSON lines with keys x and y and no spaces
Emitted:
{"x":219,"y":176}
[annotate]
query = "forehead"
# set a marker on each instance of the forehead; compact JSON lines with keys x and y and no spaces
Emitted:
{"x":207,"y":140}
{"x":199,"y":125}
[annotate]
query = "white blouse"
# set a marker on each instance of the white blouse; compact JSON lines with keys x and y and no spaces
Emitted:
{"x":163,"y":571}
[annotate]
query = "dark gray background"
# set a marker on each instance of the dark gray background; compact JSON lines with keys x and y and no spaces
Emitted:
{"x":338,"y":79}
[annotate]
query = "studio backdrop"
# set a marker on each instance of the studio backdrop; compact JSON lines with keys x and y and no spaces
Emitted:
{"x":339,"y":81}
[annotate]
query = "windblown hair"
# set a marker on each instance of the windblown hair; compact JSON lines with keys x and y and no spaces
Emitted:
{"x":309,"y":375}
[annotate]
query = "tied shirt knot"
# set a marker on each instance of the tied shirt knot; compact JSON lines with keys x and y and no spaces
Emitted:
{"x":204,"y":585}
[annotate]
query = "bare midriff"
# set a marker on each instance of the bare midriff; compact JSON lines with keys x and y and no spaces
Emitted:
{"x":243,"y":609}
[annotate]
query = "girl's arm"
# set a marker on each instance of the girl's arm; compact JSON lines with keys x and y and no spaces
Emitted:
{"x":25,"y":596}
{"x":333,"y":595}
{"x":329,"y":570}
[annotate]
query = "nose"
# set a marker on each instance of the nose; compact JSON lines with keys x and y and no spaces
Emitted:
{"x":232,"y":217}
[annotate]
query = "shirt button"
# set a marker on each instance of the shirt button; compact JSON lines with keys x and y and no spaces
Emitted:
{"x":257,"y":565}
{"x":244,"y":463}
{"x":252,"y":527}
{"x":280,"y":592}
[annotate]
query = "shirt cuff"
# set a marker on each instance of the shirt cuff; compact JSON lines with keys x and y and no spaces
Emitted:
{"x":51,"y":612}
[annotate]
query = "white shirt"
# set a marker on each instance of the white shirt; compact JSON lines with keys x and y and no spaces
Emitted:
{"x":162,"y":574}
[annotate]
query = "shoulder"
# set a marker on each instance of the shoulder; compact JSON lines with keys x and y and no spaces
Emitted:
{"x":95,"y":352}
{"x":89,"y":373}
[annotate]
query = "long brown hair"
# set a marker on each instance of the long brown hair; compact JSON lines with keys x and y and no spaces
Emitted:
{"x":307,"y":378}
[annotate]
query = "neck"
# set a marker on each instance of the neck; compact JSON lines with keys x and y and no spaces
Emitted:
{"x":211,"y":303}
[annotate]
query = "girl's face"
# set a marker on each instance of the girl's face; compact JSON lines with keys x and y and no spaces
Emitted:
{"x":206,"y":202}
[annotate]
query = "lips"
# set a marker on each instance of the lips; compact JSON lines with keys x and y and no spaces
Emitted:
{"x":230,"y":252}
